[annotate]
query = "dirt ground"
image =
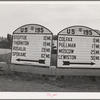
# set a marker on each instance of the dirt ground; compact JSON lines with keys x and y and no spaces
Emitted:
{"x":21,"y":82}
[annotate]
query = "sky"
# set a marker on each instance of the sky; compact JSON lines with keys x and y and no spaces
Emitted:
{"x":53,"y":15}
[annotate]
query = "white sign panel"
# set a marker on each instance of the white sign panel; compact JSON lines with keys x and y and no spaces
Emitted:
{"x":32,"y":46}
{"x":78,"y":47}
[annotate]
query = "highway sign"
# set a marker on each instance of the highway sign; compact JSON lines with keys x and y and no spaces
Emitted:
{"x":78,"y":47}
{"x":32,"y":45}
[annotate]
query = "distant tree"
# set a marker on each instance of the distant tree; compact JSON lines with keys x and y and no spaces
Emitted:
{"x":9,"y":39}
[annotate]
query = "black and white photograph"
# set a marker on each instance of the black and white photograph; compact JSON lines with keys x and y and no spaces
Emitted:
{"x":50,"y":47}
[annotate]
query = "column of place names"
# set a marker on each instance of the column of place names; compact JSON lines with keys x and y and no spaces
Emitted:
{"x":66,"y":48}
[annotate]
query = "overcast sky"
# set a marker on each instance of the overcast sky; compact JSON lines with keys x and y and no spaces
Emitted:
{"x":55,"y":16}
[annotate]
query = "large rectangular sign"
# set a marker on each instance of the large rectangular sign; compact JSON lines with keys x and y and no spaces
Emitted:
{"x":31,"y":48}
{"x":78,"y":50}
